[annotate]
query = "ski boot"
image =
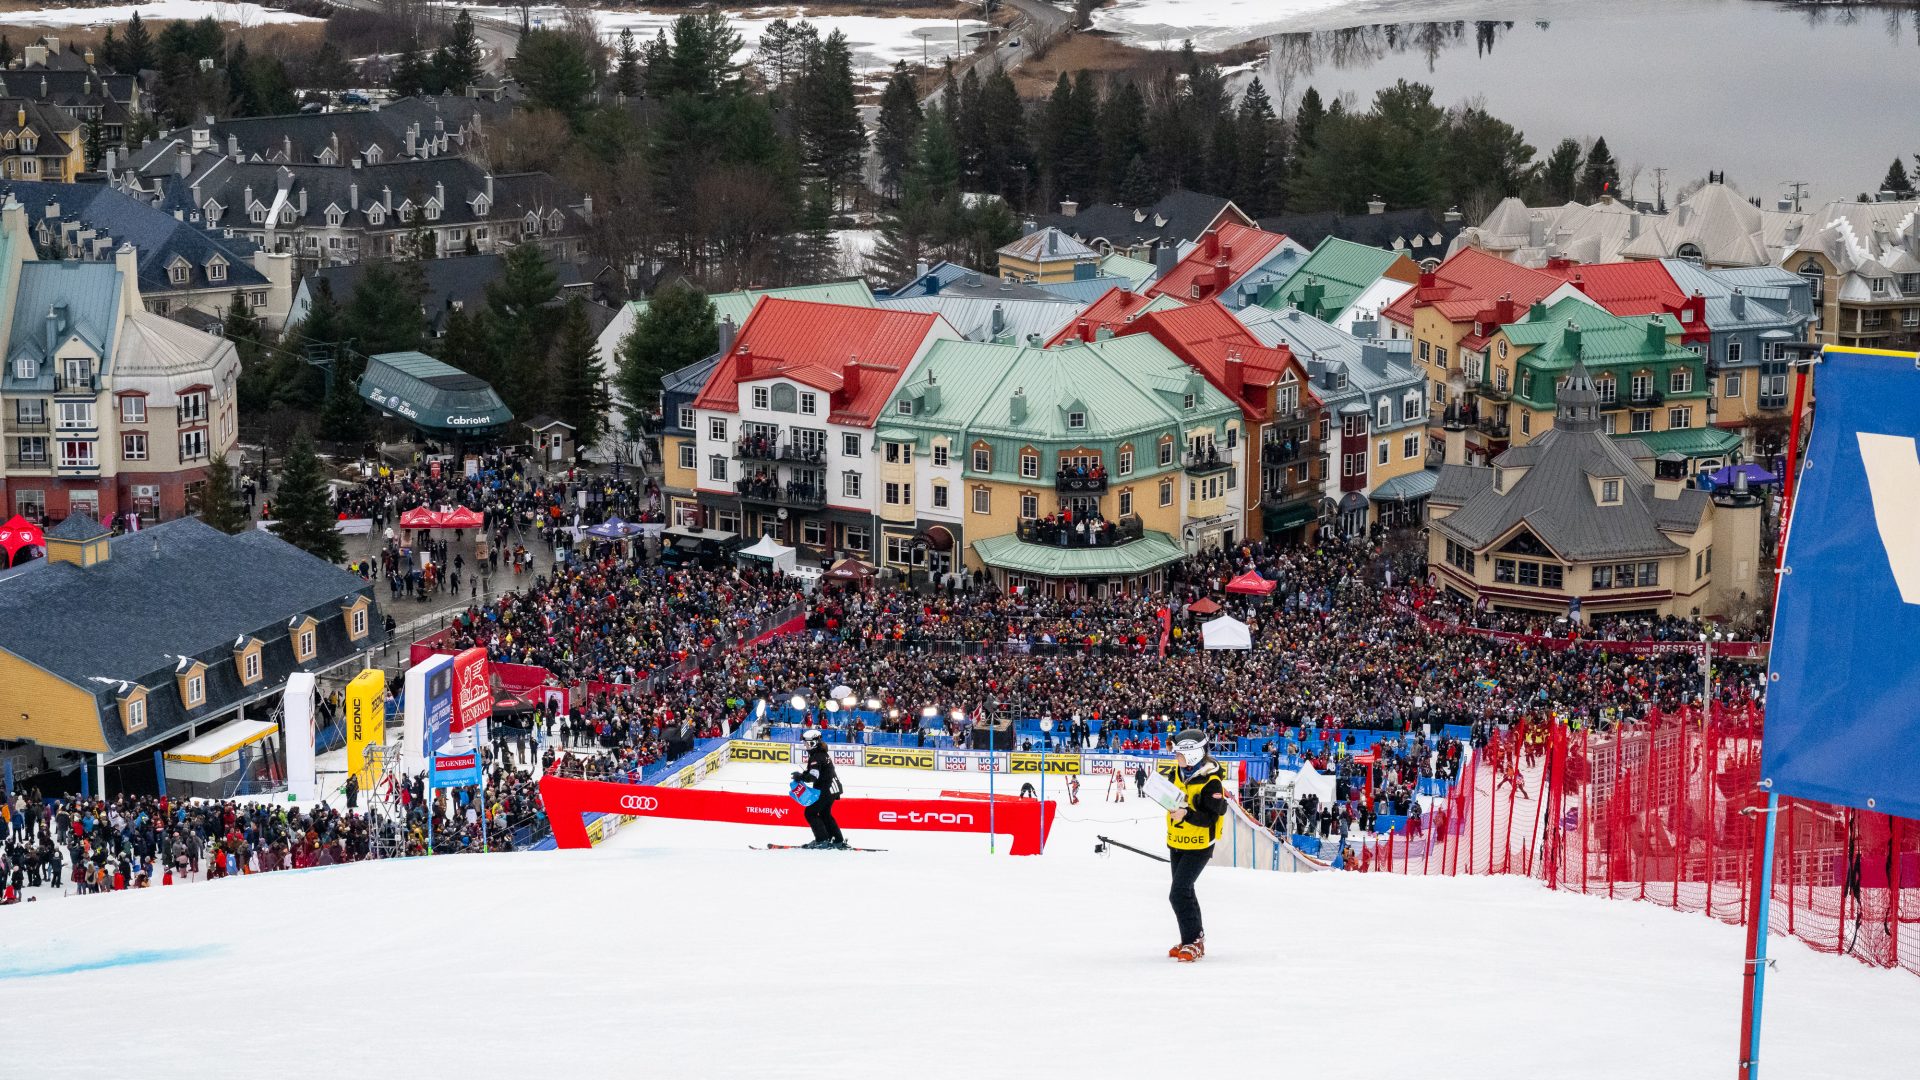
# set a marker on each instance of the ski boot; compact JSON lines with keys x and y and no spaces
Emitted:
{"x":1191,"y":951}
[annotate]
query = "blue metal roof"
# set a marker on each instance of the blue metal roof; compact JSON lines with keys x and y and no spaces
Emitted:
{"x":57,"y":301}
{"x":157,"y":236}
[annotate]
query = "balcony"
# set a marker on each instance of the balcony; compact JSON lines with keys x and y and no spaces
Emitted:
{"x":1771,"y":401}
{"x":16,"y":463}
{"x":28,"y":425}
{"x":64,"y":385}
{"x":1206,"y":462}
{"x":1284,"y":452}
{"x":1070,"y":482}
{"x":1647,"y":400}
{"x":1490,"y":389}
{"x":1491,"y":427}
{"x":1096,"y":532}
{"x":776,"y":493}
{"x":756,"y":448}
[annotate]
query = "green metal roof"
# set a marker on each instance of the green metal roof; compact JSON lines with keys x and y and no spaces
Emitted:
{"x":1124,"y":386}
{"x":1700,"y":442}
{"x":1137,"y":271}
{"x":1152,"y":551}
{"x":431,"y":395}
{"x":1342,"y":269}
{"x":1575,"y":329}
{"x":1413,"y":485}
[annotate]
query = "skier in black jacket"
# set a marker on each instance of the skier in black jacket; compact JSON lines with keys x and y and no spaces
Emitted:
{"x":819,"y":775}
{"x":1192,"y":827}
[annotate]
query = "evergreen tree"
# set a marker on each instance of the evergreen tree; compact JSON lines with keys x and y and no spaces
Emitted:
{"x":816,"y":254}
{"x":627,"y":73}
{"x":95,"y":147}
{"x":832,"y":139}
{"x":677,"y":329}
{"x":302,"y":515}
{"x":343,"y":416}
{"x":783,"y":52}
{"x":383,"y":315}
{"x":467,"y":345}
{"x":555,"y":70}
{"x":330,"y":70}
{"x":112,"y":54}
{"x":1897,"y":180}
{"x":1560,"y":176}
{"x":409,"y":77}
{"x":219,"y":506}
{"x":899,"y":127}
{"x":579,"y":396}
{"x":1261,"y":152}
{"x":1223,"y":155}
{"x":523,"y":331}
{"x":1306,"y":121}
{"x":1137,"y":188}
{"x":462,"y":62}
{"x":1069,"y":137}
{"x":1007,"y":167}
{"x":1123,"y":138}
{"x":137,"y":49}
{"x":700,"y":59}
{"x":1488,"y":159}
{"x":1601,"y":175}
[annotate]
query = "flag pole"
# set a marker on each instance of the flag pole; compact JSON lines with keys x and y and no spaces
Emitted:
{"x":1755,"y":980}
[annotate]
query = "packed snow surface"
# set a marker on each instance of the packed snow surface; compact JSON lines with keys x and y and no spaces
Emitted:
{"x":240,"y":14}
{"x":676,"y":951}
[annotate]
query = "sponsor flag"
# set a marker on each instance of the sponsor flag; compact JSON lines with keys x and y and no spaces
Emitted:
{"x":366,"y":709}
{"x":1841,"y":726}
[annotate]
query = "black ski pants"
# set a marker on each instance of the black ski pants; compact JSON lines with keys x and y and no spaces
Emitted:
{"x":1187,"y":864}
{"x":820,"y":819}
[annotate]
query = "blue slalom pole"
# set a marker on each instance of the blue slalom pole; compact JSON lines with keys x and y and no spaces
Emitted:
{"x":1763,"y":916}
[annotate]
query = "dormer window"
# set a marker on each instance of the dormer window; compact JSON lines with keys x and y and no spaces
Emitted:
{"x":530,"y":224}
{"x":555,"y":221}
{"x":1188,"y":401}
{"x":375,"y":215}
{"x":25,"y":366}
{"x":28,"y":142}
{"x":433,"y":211}
{"x":179,"y":271}
{"x":1880,"y":286}
{"x":334,"y":216}
{"x":217,"y":270}
{"x":481,"y":206}
{"x":373,"y":155}
{"x":904,"y":407}
{"x":406,"y":211}
{"x":257,"y":214}
{"x":1076,"y":421}
{"x":1610,"y":492}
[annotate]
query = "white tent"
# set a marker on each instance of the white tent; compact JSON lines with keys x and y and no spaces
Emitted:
{"x":776,"y":555}
{"x":1226,"y":632}
{"x":1309,"y":781}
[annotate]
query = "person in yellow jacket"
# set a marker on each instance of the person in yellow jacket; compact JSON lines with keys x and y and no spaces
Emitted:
{"x":1192,"y":827}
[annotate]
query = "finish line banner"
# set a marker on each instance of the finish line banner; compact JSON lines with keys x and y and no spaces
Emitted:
{"x":1843,"y":706}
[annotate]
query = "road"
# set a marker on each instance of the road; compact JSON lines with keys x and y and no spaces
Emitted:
{"x":499,"y":37}
{"x":1042,"y":19}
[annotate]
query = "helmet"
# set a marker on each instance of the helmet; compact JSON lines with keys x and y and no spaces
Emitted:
{"x":811,"y":737}
{"x":1190,"y":746}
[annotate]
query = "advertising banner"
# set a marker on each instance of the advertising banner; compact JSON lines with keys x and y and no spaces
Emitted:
{"x":777,"y":753}
{"x":296,"y":718}
{"x":472,"y":694}
{"x":896,"y":757}
{"x":1841,"y":723}
{"x":1052,"y":763}
{"x":365,"y":705}
{"x":453,"y":757}
{"x":989,"y":762}
{"x":844,"y":755}
{"x":567,"y":801}
{"x":954,"y":760}
{"x":413,"y":720}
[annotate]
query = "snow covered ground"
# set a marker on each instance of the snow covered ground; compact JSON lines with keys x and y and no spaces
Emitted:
{"x":877,"y":40}
{"x":676,"y":951}
{"x":240,"y":14}
{"x":1211,"y":24}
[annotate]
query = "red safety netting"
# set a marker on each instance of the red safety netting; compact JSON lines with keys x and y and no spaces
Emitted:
{"x":1665,"y":810}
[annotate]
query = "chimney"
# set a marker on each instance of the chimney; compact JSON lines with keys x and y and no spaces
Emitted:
{"x":1164,"y":258}
{"x":440,"y":196}
{"x":386,"y":196}
{"x":184,"y":165}
{"x":1536,"y":231}
{"x":1453,"y":216}
{"x":489,"y":185}
{"x":1068,"y":208}
{"x":53,"y":211}
{"x":1103,"y":332}
{"x":1656,"y":333}
{"x":353,"y":196}
{"x":999,"y":323}
{"x":1083,"y":329}
{"x":53,"y":331}
{"x":1028,"y":228}
{"x":1537,"y":311}
{"x":1236,"y":376}
{"x":727,"y":330}
{"x":413,"y":139}
{"x":1505,"y":309}
{"x":357,"y":162}
{"x":1211,"y":245}
{"x":1376,"y":205}
{"x":1739,"y":302}
{"x":109,"y":162}
{"x":930,"y":397}
{"x":1017,"y":405}
{"x":1454,"y":437}
{"x":850,"y":378}
{"x":303,"y":202}
{"x":1572,"y":339}
{"x":1633,"y":226}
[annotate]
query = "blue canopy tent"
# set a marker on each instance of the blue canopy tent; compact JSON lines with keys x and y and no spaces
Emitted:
{"x":1724,"y":477}
{"x":613,"y":529}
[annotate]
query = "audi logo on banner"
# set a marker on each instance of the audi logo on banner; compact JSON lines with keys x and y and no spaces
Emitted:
{"x":639,"y":802}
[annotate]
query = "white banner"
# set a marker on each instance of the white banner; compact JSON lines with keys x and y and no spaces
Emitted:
{"x":844,"y":755}
{"x":354,"y":526}
{"x":296,"y":720}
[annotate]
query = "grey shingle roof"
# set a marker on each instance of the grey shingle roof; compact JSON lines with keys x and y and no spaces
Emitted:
{"x":1178,"y":215}
{"x":79,"y":525}
{"x":176,"y":588}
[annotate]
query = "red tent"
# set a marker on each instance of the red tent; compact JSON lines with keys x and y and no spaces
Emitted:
{"x":1250,"y":584}
{"x":1203,"y":607}
{"x":20,"y":533}
{"x":421,"y":517}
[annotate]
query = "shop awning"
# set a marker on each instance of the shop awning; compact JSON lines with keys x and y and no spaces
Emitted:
{"x":1407,"y":487}
{"x":459,"y":517}
{"x":1151,"y":552}
{"x":1288,"y":517}
{"x":222,"y":742}
{"x":432,"y":396}
{"x":1691,"y":443}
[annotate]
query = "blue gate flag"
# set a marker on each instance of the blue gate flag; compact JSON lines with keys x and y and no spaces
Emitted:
{"x":1843,"y":699}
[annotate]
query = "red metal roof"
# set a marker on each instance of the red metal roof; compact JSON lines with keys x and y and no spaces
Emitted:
{"x":1111,"y":310}
{"x":1223,"y":256}
{"x":1467,"y":284}
{"x":821,"y":345}
{"x":1635,"y":288}
{"x":1205,"y":335}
